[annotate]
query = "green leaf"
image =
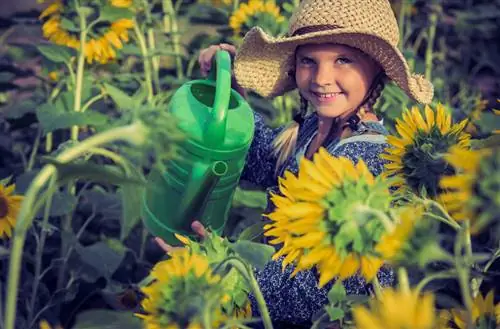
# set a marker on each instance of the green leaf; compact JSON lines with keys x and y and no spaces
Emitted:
{"x":337,"y":293}
{"x":62,"y":204}
{"x":249,"y":199}
{"x":121,"y":99}
{"x":51,"y":118}
{"x":110,"y":13}
{"x":69,"y":25}
{"x":56,"y":53}
{"x":140,"y":96}
{"x":335,"y":313}
{"x":256,"y":254}
{"x":107,"y":319}
{"x":5,"y":181}
{"x":253,"y":232}
{"x":96,"y":261}
{"x":101,"y":173}
{"x":131,"y":208}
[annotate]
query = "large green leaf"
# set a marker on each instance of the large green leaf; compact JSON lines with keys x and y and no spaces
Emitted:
{"x":121,"y":99}
{"x":337,"y":293}
{"x":256,"y":254}
{"x":107,"y":319}
{"x":110,"y":13}
{"x":56,"y":53}
{"x":96,"y":261}
{"x":52,"y":118}
{"x":131,"y":207}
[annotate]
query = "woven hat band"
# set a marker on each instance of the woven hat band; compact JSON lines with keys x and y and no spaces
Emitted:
{"x":315,"y":28}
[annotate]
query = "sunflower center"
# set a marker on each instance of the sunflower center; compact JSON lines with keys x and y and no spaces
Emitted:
{"x":4,"y":207}
{"x":423,"y":162}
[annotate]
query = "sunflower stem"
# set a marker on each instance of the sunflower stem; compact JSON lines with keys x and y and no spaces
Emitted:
{"x":463,"y":271}
{"x":404,"y":282}
{"x":402,"y":17}
{"x":146,"y":59}
{"x":170,"y":26}
{"x":446,"y":218}
{"x":493,"y":258}
{"x":40,"y":246}
{"x":429,"y":52}
{"x":92,"y":101}
{"x":377,"y":287}
{"x":247,"y":273}
{"x":135,"y":133}
{"x":79,"y":71}
{"x":440,"y":275}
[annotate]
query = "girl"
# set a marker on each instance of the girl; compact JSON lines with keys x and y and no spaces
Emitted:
{"x":338,"y":54}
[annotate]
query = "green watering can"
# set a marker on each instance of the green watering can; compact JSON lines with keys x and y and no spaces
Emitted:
{"x":219,"y":125}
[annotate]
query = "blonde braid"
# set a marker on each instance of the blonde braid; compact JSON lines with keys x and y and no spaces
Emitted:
{"x":284,"y":144}
{"x":375,"y":93}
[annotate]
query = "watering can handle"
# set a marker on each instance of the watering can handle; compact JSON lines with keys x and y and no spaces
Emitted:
{"x":215,"y":131}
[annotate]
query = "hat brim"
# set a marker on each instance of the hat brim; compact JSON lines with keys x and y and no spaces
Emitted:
{"x":265,"y":64}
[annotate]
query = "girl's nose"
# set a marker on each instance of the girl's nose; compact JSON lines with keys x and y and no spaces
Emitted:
{"x":323,"y":76}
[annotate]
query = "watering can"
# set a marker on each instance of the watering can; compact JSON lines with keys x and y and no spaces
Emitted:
{"x":219,"y":126}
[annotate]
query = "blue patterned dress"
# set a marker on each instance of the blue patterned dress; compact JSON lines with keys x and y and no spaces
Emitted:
{"x":293,"y":301}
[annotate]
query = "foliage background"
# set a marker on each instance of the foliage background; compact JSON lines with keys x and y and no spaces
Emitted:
{"x":454,"y":42}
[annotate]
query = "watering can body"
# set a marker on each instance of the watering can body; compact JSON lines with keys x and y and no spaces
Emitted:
{"x":219,"y":126}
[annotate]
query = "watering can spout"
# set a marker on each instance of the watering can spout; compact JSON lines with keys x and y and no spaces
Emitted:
{"x":204,"y":177}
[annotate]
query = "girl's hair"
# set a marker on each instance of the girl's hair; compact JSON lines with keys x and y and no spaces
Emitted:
{"x":284,"y":144}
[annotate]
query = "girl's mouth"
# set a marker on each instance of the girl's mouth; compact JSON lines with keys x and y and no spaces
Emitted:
{"x":326,"y":97}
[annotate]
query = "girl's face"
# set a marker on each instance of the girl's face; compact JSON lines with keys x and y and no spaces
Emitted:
{"x":333,"y":78}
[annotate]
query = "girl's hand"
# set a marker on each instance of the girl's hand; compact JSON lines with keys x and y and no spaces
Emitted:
{"x":205,"y":62}
{"x":207,"y":54}
{"x":196,"y":226}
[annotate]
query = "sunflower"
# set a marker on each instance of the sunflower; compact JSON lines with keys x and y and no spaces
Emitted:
{"x":485,"y":315}
{"x":399,"y":309}
{"x":9,"y":208}
{"x":101,"y":48}
{"x":256,"y":12}
{"x":416,"y":157}
{"x":473,"y":192}
{"x":329,"y":216}
{"x":216,"y":249}
{"x":413,"y":240}
{"x":183,"y":287}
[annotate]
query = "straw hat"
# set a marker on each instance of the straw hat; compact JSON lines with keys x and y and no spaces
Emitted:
{"x":265,"y":64}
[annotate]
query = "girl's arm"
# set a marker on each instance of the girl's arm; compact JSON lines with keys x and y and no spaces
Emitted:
{"x":260,"y":162}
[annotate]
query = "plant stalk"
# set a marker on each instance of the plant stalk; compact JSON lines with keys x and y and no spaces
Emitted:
{"x":134,"y":133}
{"x":170,"y":26}
{"x":246,"y":272}
{"x":79,"y":72}
{"x":147,"y":63}
{"x":429,"y":52}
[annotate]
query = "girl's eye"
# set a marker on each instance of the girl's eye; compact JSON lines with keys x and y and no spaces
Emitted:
{"x":343,"y":60}
{"x":306,"y":61}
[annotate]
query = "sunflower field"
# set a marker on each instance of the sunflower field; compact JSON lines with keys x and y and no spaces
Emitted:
{"x":85,"y":88}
